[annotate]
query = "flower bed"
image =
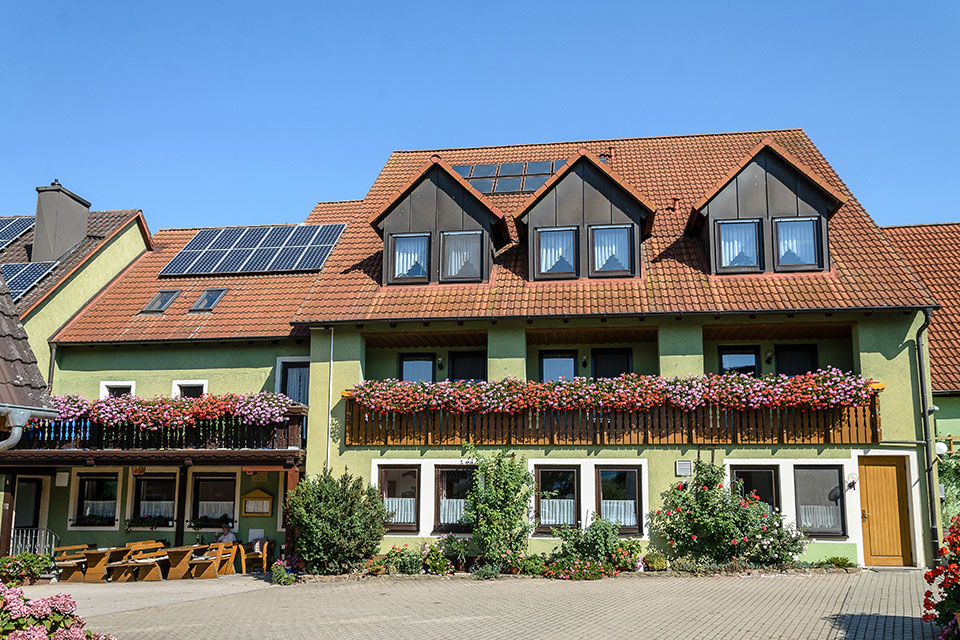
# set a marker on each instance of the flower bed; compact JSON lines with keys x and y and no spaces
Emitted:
{"x":822,"y":389}
{"x":260,"y":409}
{"x":53,"y":617}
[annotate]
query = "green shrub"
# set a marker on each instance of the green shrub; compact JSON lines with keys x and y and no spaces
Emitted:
{"x":489,"y":571}
{"x":949,"y":471}
{"x":705,"y":520}
{"x":839,"y":562}
{"x":572,"y":568}
{"x":337,"y":522}
{"x":599,"y":541}
{"x":454,"y":548}
{"x":497,"y":504}
{"x":281,"y":574}
{"x":628,"y":556}
{"x":533,"y":565}
{"x":404,"y":560}
{"x":22,"y":568}
{"x":655,"y":561}
{"x":435,"y":561}
{"x":376,"y":566}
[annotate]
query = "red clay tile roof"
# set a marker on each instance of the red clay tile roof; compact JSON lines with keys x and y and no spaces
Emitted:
{"x":101,"y":227}
{"x":20,"y":380}
{"x":255,"y":306}
{"x":933,"y":251}
{"x":673,"y":173}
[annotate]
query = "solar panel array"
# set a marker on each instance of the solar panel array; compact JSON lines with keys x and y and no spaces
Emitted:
{"x":23,"y":276}
{"x":255,"y":250}
{"x":13,"y":228}
{"x":509,"y":177}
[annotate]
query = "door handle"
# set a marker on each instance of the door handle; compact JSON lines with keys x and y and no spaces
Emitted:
{"x":864,"y":514}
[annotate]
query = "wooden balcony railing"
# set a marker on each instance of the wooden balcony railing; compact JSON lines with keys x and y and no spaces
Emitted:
{"x":224,"y":433}
{"x":661,"y":426}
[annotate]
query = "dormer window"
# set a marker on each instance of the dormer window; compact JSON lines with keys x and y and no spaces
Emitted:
{"x":738,"y":245}
{"x":798,"y":243}
{"x":610,"y":248}
{"x":411,"y":257}
{"x":460,"y":258}
{"x":557,"y":250}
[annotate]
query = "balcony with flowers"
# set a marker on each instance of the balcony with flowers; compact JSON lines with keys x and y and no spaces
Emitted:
{"x":827,"y":406}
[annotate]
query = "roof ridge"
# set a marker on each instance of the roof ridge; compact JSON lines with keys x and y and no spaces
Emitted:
{"x":236,"y":226}
{"x":627,"y":139}
{"x":339,"y":201}
{"x":921,"y":224}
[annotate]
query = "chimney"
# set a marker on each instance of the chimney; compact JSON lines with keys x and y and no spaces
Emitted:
{"x":61,"y":222}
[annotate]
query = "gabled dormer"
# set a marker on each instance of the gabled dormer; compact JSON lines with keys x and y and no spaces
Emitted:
{"x":769,"y":213}
{"x":438,"y":228}
{"x":585,"y":221}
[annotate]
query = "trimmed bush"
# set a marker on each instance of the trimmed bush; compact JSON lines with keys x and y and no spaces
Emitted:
{"x":655,"y":561}
{"x":25,"y":567}
{"x":337,"y":522}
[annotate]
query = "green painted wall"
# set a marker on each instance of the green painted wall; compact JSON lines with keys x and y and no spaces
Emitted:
{"x":62,"y":303}
{"x":644,"y":357}
{"x":681,"y":347}
{"x":948,"y":417}
{"x":835,"y":353}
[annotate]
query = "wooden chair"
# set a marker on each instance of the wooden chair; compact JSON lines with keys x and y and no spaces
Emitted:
{"x":70,"y":562}
{"x":227,"y":557}
{"x":206,"y":566}
{"x":148,"y":566}
{"x":258,"y":553}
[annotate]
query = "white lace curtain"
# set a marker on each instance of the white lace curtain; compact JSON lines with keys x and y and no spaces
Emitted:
{"x":451,"y":510}
{"x":558,"y":511}
{"x":557,"y":249}
{"x":100,"y":508}
{"x":162,"y":508}
{"x":798,"y":241}
{"x":404,"y":510}
{"x":738,"y":244}
{"x":819,"y":517}
{"x":623,"y":512}
{"x":411,"y":256}
{"x":216,"y":508}
{"x":461,"y":259}
{"x":611,"y":249}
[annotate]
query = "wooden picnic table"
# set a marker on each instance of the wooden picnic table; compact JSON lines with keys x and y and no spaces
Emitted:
{"x":180,"y":560}
{"x":98,"y":559}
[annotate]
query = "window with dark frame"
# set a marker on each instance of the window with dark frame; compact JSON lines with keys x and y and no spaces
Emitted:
{"x":612,"y":363}
{"x":820,"y":499}
{"x":738,"y":245}
{"x":118,"y":390}
{"x":557,"y":364}
{"x":214,"y":500}
{"x":461,"y":256}
{"x":154,"y":496}
{"x":453,"y":484}
{"x":798,"y":244}
{"x":740,"y":360}
{"x":417,"y":367}
{"x":96,"y":500}
{"x":190,"y":390}
{"x":557,"y":497}
{"x":618,"y":497}
{"x":295,"y":381}
{"x":557,"y":252}
{"x":795,"y":359}
{"x":208,"y":300}
{"x":160,"y":302}
{"x":611,"y":250}
{"x":400,"y":488}
{"x":468,"y":365}
{"x":411,"y":257}
{"x":764,"y":480}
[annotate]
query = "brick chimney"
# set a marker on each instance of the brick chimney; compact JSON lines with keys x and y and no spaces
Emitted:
{"x":61,"y":222}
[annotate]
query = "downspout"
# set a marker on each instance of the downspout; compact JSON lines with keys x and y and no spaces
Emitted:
{"x":932,"y":489}
{"x":18,"y":416}
{"x":329,"y":398}
{"x":52,"y":367}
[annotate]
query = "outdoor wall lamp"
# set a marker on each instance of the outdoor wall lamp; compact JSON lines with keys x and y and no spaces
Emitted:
{"x":852,"y":481}
{"x":769,"y":357}
{"x":583,"y":362}
{"x":440,"y":363}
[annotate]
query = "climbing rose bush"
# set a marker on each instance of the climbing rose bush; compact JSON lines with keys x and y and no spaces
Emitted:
{"x":262,"y":408}
{"x":821,"y":389}
{"x":945,"y":579}
{"x":43,"y":618}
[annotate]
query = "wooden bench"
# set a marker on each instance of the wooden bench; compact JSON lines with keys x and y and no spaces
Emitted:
{"x":258,"y":553}
{"x":127,"y":569}
{"x":206,"y":566}
{"x":227,"y":557}
{"x":70,"y":562}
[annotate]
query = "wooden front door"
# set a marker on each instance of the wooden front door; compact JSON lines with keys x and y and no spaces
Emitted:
{"x":883,"y":500}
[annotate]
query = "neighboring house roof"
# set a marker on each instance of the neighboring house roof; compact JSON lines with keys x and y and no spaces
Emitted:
{"x":933,"y":251}
{"x":21,"y":383}
{"x":255,"y":306}
{"x":102,"y":226}
{"x":673,"y":174}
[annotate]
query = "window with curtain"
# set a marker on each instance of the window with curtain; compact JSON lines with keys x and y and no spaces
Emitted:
{"x":214,"y":498}
{"x":819,"y":499}
{"x":739,"y":245}
{"x":611,"y":250}
{"x":798,"y":242}
{"x":400,"y":488}
{"x":619,"y":497}
{"x":295,"y":381}
{"x":416,"y":367}
{"x":453,"y":483}
{"x":558,"y":252}
{"x":96,"y":500}
{"x":155,"y":496}
{"x":764,"y":481}
{"x":558,"y":497}
{"x":410,"y":257}
{"x":461,"y":256}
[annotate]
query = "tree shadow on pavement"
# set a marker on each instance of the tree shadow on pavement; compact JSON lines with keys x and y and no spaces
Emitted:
{"x":873,"y":626}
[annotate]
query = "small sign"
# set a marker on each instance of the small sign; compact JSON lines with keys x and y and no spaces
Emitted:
{"x":259,"y":476}
{"x":139,"y":471}
{"x":63,"y":478}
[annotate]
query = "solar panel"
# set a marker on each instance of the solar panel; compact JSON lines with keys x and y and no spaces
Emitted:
{"x":532,"y":183}
{"x":483,"y":185}
{"x":463,"y":170}
{"x":484,"y":170}
{"x":256,"y":250}
{"x":538,"y":167}
{"x":511,"y":169}
{"x":13,"y":228}
{"x":507,"y":185}
{"x":21,"y":277}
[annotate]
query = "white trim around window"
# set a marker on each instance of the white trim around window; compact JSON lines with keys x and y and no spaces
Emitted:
{"x":105,"y":386}
{"x":132,"y":487}
{"x":75,"y":474}
{"x":175,"y":386}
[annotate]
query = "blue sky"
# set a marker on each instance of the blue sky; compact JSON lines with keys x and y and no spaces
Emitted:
{"x":243,"y":112}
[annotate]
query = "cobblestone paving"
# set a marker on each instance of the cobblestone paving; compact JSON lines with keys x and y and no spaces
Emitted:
{"x":869,"y":605}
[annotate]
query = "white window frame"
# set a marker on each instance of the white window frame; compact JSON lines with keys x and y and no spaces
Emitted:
{"x":132,"y":485}
{"x":175,"y":387}
{"x":106,"y":384}
{"x":188,"y":510}
{"x":75,"y":474}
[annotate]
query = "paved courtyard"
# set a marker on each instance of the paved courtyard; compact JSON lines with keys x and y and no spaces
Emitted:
{"x":883,"y":604}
